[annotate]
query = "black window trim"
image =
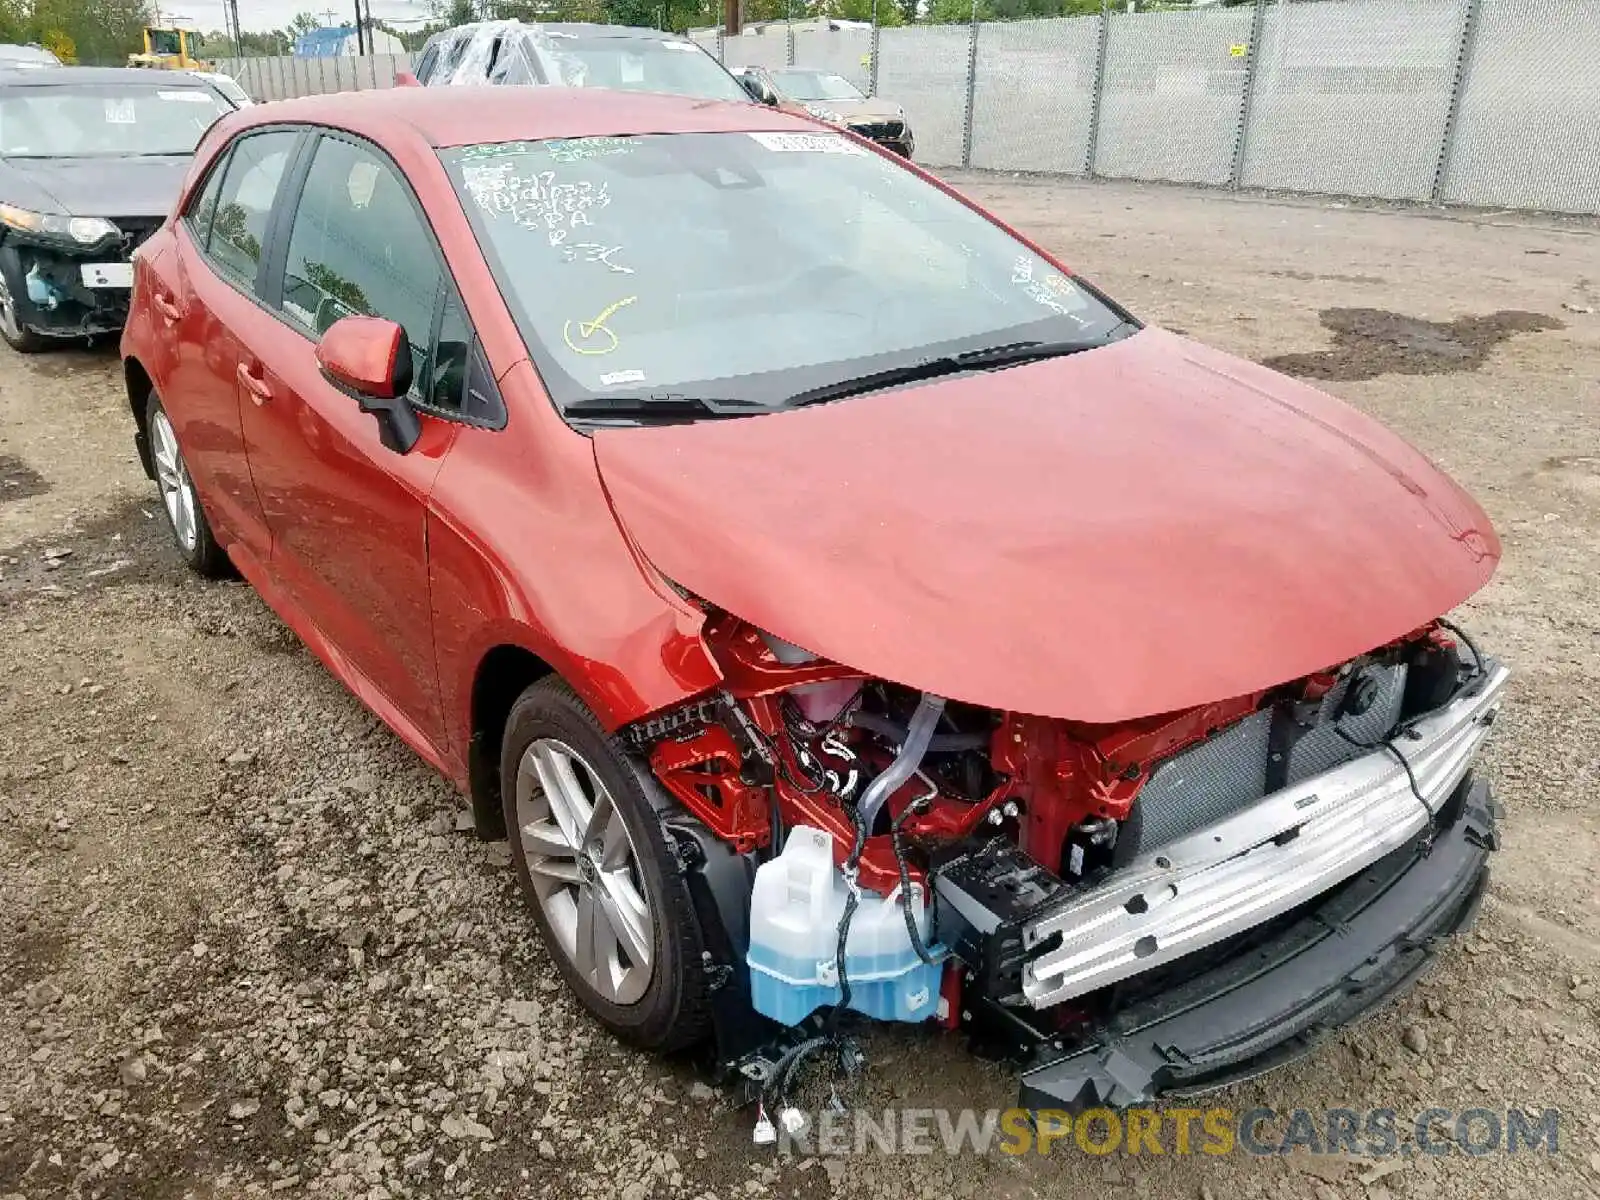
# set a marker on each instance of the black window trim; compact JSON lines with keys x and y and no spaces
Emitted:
{"x":218,"y":170}
{"x":425,"y":64}
{"x":275,"y":264}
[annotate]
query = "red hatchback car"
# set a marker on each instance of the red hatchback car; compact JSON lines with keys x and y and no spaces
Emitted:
{"x":845,"y":608}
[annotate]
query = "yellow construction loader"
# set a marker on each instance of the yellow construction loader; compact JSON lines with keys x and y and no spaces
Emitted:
{"x":171,"y":50}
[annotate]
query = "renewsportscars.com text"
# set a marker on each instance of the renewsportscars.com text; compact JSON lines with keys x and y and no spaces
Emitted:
{"x":1372,"y":1133}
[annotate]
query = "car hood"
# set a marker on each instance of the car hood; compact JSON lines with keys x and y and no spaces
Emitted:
{"x":97,"y":187}
{"x":1122,"y":532}
{"x":854,"y":111}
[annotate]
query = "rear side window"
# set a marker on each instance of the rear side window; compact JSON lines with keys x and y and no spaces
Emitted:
{"x":511,"y":65}
{"x":430,"y":58}
{"x":204,"y":204}
{"x":244,"y":204}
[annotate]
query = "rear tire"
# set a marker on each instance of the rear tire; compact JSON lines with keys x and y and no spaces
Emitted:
{"x":180,"y":500}
{"x":592,"y":860}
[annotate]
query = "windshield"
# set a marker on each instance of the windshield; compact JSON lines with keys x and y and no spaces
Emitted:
{"x":647,"y":65}
{"x":164,"y":41}
{"x":815,"y":85}
{"x":111,"y":122}
{"x":749,"y":267}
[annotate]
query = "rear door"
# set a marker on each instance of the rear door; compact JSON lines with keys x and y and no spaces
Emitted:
{"x":347,"y":515}
{"x":206,"y":294}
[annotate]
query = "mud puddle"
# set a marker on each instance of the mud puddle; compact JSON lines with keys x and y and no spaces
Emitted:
{"x":1368,"y":343}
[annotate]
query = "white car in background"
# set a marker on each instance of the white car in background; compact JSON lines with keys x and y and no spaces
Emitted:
{"x":227,"y":85}
{"x":27,"y":56}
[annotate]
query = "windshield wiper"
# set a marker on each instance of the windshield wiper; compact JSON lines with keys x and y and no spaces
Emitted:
{"x":661,"y":406}
{"x":989,"y":358}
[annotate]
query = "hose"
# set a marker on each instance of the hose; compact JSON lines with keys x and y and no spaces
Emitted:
{"x":906,"y":761}
{"x":939,"y":743}
{"x":1477,"y":659}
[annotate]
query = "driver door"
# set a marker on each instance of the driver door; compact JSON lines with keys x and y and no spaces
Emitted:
{"x":347,"y":515}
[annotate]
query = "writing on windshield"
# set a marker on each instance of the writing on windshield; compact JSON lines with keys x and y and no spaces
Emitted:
{"x":746,"y":266}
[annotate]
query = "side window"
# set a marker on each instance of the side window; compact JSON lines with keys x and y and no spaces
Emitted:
{"x":447,"y":376}
{"x":430,"y":56}
{"x":359,"y":246}
{"x":511,"y":68}
{"x":204,"y":204}
{"x":244,"y":203}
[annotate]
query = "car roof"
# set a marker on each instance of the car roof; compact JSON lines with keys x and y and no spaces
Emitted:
{"x":633,"y":32}
{"x":574,"y":29}
{"x":57,"y":76}
{"x":461,"y":116}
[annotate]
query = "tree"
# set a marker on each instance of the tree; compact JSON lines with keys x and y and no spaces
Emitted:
{"x":61,"y":45}
{"x":958,"y":12}
{"x":889,"y":12}
{"x":91,"y":31}
{"x":14,"y":20}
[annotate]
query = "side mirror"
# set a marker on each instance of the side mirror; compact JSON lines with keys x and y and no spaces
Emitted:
{"x":369,"y":358}
{"x":405,"y":79}
{"x":758,"y":89}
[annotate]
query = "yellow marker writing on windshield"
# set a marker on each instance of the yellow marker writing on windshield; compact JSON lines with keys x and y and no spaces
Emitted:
{"x":588,"y":329}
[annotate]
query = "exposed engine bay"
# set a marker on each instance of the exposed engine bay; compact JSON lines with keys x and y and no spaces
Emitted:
{"x":915,"y":858}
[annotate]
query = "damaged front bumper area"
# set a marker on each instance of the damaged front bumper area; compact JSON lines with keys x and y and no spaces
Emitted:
{"x":1239,"y":946}
{"x":1328,"y":965}
{"x":64,"y":290}
{"x":1233,"y":875}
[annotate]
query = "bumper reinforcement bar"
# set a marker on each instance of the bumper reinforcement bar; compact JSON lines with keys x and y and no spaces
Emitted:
{"x":1267,"y":860}
{"x":1338,"y":959}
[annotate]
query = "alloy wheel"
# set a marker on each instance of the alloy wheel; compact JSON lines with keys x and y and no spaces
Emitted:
{"x":585,"y":870}
{"x":172,"y":477}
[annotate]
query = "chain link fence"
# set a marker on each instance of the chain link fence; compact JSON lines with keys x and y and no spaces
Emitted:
{"x":1483,"y":102}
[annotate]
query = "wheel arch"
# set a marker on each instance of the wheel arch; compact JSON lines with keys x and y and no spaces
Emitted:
{"x":138,"y":383}
{"x":503,"y":673}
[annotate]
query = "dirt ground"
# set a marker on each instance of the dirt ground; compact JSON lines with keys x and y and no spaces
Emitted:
{"x":246,"y":950}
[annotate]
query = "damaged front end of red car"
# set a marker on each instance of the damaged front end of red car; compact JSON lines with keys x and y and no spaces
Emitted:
{"x":1126,"y":909}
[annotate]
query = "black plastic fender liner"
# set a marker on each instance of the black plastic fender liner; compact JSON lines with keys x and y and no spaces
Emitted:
{"x":1342,"y":957}
{"x":720,"y":880}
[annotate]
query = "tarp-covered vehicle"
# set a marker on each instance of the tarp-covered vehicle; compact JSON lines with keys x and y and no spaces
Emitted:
{"x":617,"y":57}
{"x":91,"y":160}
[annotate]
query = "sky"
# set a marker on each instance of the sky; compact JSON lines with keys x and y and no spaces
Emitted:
{"x":259,"y":16}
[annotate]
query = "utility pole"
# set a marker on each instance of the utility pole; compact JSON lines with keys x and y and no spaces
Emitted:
{"x":360,"y":43}
{"x":730,"y":18}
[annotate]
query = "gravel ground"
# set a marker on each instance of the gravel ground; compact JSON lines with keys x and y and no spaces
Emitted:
{"x":246,"y":947}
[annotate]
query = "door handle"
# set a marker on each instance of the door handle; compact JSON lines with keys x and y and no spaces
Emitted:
{"x":254,"y":384}
{"x":166,"y":307}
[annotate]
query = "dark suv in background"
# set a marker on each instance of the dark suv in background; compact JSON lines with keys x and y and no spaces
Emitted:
{"x":574,"y":55}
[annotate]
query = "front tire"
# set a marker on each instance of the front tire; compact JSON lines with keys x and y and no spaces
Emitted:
{"x":20,"y":338}
{"x":594,"y":864}
{"x":186,"y":516}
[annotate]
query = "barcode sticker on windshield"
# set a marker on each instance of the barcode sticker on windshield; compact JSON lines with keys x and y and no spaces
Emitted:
{"x":121,"y":112}
{"x":808,"y":143}
{"x":689,"y":46}
{"x":196,"y":96}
